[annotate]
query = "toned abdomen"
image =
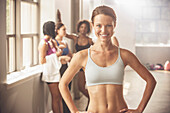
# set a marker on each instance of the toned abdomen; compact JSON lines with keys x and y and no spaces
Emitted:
{"x":106,"y":98}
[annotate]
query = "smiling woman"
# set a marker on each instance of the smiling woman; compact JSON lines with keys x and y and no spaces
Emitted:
{"x":104,"y":65}
{"x":105,"y":29}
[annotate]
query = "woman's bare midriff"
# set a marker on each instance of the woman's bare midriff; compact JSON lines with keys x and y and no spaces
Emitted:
{"x":106,"y":98}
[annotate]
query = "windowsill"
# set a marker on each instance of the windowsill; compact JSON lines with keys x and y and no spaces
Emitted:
{"x":152,"y":45}
{"x":23,"y":75}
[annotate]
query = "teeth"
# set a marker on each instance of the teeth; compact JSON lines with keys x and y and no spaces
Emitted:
{"x":103,"y":35}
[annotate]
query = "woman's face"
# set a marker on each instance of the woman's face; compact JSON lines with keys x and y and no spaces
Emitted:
{"x":104,"y":27}
{"x":83,"y":29}
{"x":62,"y":31}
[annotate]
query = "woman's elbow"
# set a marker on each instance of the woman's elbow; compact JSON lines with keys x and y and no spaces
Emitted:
{"x":61,"y":86}
{"x":152,"y":81}
{"x":42,"y":61}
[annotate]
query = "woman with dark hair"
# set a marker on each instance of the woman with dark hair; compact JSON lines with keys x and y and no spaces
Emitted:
{"x":60,"y":31}
{"x":104,"y":65}
{"x":50,"y":58}
{"x":81,"y":42}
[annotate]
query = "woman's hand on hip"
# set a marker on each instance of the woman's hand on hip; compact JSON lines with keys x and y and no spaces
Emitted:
{"x":125,"y":110}
{"x":84,"y":112}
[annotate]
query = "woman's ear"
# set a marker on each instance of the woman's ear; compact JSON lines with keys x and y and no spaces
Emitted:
{"x":56,"y":31}
{"x":92,"y":24}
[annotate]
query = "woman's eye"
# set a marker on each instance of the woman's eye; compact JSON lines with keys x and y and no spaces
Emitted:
{"x":109,"y":25}
{"x":98,"y":25}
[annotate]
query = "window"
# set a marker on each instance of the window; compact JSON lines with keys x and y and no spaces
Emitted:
{"x":10,"y":30}
{"x":152,"y":27}
{"x":22,"y":34}
{"x":29,"y":33}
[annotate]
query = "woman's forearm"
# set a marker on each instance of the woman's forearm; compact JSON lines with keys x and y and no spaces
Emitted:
{"x":42,"y":60}
{"x":147,"y":94}
{"x":59,"y":53}
{"x":67,"y":97}
{"x":69,"y":36}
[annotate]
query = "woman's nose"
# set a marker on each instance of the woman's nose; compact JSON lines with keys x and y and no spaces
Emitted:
{"x":103,"y":29}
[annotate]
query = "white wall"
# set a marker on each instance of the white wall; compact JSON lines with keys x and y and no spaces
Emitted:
{"x":3,"y":40}
{"x":153,"y":55}
{"x":47,"y":13}
{"x":2,"y":50}
{"x":65,"y":8}
{"x":25,"y":97}
{"x":125,"y":29}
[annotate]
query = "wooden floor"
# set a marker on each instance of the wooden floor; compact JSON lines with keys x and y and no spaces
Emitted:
{"x":133,"y":90}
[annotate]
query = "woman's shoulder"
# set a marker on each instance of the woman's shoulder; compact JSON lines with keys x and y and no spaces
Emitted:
{"x":125,"y":52}
{"x":65,"y":41}
{"x":81,"y":57}
{"x":81,"y":54}
{"x":127,"y":55}
{"x":89,"y":38}
{"x":53,"y":40}
{"x":90,"y":41}
{"x":42,"y":42}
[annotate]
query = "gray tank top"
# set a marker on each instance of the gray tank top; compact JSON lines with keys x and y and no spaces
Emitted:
{"x":112,"y":74}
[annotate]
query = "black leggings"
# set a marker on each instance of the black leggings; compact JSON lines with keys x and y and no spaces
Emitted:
{"x":62,"y":70}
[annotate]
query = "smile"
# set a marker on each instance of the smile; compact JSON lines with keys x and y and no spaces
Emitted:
{"x":104,"y":35}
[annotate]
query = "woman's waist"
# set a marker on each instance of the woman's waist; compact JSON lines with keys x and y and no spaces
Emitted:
{"x":107,"y":101}
{"x":113,"y":107}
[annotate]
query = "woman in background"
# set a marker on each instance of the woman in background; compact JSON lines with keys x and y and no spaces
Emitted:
{"x":60,"y":31}
{"x":49,"y":52}
{"x":81,"y":42}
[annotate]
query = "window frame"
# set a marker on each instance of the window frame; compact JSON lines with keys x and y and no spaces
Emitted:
{"x":18,"y":66}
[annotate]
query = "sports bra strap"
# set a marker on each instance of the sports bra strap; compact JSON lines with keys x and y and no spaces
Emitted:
{"x":118,"y":52}
{"x":89,"y":52}
{"x":47,"y":43}
{"x":45,"y":40}
{"x":77,"y":40}
{"x":88,"y":40}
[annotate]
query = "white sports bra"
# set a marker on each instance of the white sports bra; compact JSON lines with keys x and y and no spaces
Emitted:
{"x":112,"y":74}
